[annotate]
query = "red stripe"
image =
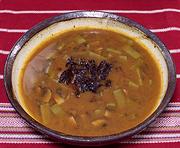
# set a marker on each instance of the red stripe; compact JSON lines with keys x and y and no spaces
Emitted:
{"x":176,"y":96}
{"x":20,"y":132}
{"x":4,"y":145}
{"x":2,"y":62}
{"x":3,"y":97}
{"x":23,"y":21}
{"x":168,"y":18}
{"x":7,"y":111}
{"x":164,"y":20}
{"x":7,"y":40}
{"x":163,"y":131}
{"x":176,"y":58}
{"x":170,"y":39}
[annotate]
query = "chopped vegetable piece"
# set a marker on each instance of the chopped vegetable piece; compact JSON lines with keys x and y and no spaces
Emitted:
{"x":130,"y":42}
{"x":57,"y":110}
{"x":68,"y":96}
{"x":139,"y":76}
{"x":98,"y":113}
{"x":107,"y":114}
{"x":111,"y":106}
{"x":84,"y":118}
{"x":96,"y":56}
{"x":51,"y":55}
{"x":100,"y":49}
{"x":38,"y":90}
{"x":121,"y":115}
{"x":120,"y":97}
{"x":45,"y":113}
{"x":133,"y":85}
{"x":132,"y":103}
{"x":65,"y":57}
{"x":101,"y":93}
{"x":80,"y":54}
{"x":62,"y":91}
{"x":95,"y":43}
{"x":114,"y":51}
{"x":138,"y":64}
{"x":110,"y":55}
{"x":131,"y":52}
{"x":80,"y":40}
{"x":60,"y":46}
{"x":99,"y":123}
{"x":125,"y":92}
{"x":150,"y":82}
{"x":123,"y":58}
{"x":46,"y":96}
{"x":131,"y":116}
{"x":72,"y":122}
{"x":50,"y":70}
{"x":58,"y":99}
{"x":72,"y":112}
{"x":46,"y":71}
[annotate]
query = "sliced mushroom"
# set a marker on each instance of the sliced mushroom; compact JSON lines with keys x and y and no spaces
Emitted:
{"x":37,"y":90}
{"x":111,"y":106}
{"x":99,"y":123}
{"x":58,"y":99}
{"x":107,"y":114}
{"x":98,"y":113}
{"x":46,"y":95}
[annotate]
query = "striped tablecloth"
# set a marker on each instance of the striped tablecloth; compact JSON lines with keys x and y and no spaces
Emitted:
{"x":162,"y":17}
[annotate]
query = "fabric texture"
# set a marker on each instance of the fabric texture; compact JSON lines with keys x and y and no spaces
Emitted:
{"x":162,"y":17}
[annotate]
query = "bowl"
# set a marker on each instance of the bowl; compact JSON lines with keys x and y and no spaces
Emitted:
{"x":95,"y":19}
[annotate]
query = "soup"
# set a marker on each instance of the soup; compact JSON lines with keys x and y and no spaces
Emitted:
{"x":90,"y":82}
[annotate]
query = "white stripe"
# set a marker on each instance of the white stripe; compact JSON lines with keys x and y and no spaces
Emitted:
{"x":7,"y":109}
{"x":171,"y":103}
{"x":1,"y":77}
{"x":38,"y":136}
{"x":5,"y":104}
{"x":13,"y":30}
{"x":177,"y":108}
{"x":174,"y":51}
{"x":21,"y":136}
{"x":178,"y":76}
{"x":166,"y":29}
{"x":148,"y":141}
{"x":176,"y":135}
{"x":153,"y":30}
{"x":111,"y":11}
{"x":4,"y":52}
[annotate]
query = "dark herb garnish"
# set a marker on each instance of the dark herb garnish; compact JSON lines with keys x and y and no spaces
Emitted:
{"x":86,"y":75}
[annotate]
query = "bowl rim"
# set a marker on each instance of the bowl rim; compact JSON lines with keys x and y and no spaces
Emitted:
{"x":80,"y":140}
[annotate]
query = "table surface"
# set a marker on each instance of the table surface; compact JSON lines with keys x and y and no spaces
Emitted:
{"x":161,"y":17}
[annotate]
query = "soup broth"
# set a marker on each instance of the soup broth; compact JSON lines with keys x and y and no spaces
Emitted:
{"x":117,"y":92}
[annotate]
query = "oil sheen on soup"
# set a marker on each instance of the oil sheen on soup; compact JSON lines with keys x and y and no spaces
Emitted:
{"x":90,"y":82}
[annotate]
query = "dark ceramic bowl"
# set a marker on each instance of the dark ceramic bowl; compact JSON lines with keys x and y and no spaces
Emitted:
{"x":106,"y":20}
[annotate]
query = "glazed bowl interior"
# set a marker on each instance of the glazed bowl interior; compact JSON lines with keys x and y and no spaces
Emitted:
{"x":53,"y":27}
